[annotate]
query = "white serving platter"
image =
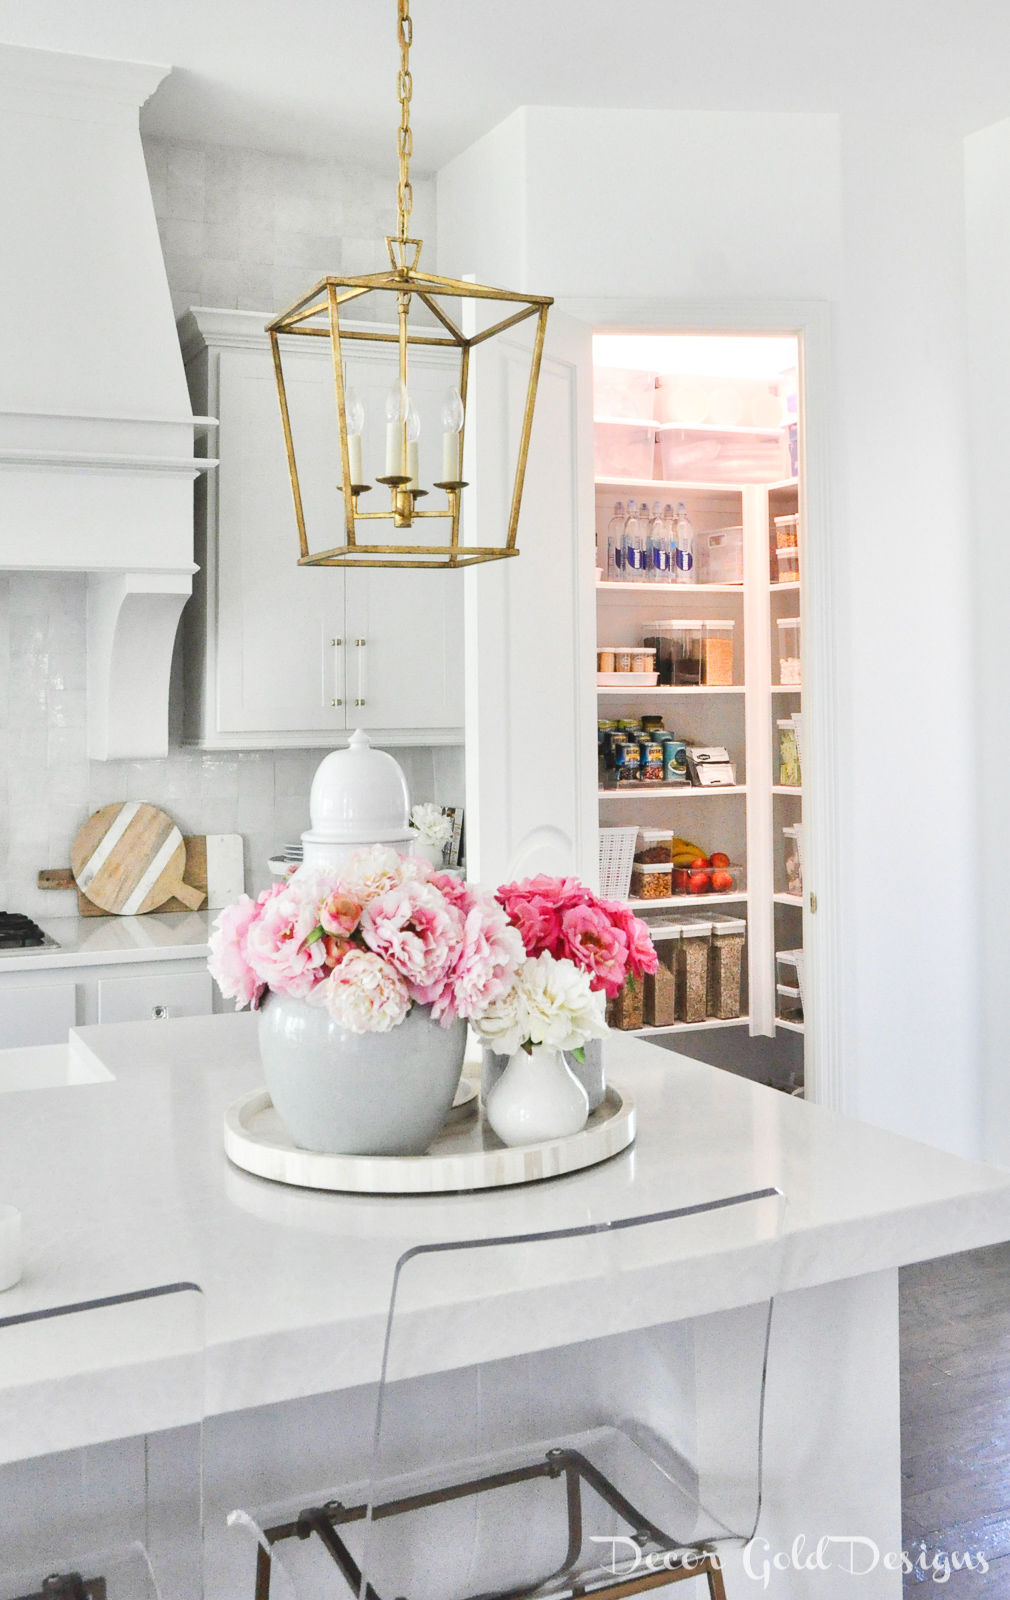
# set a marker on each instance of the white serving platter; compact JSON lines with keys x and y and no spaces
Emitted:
{"x":465,"y":1155}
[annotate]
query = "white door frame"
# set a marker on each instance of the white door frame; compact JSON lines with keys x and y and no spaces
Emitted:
{"x":820,"y":584}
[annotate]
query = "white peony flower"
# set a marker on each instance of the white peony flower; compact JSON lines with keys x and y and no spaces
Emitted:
{"x":365,"y":994}
{"x":431,"y":823}
{"x":550,"y":1003}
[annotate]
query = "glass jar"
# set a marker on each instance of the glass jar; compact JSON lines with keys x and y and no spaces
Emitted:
{"x":605,"y":661}
{"x":622,"y":660}
{"x":789,"y":651}
{"x":718,"y":653}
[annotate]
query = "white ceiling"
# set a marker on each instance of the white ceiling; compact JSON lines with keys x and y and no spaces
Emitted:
{"x":319,"y":75}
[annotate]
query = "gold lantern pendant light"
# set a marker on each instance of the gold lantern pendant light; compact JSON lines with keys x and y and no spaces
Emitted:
{"x":318,"y":315}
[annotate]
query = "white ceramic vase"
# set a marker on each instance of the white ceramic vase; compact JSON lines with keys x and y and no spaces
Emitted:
{"x":435,"y":853}
{"x":537,"y":1097}
{"x":371,"y":1094}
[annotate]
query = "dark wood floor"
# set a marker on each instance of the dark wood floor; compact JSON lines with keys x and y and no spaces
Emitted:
{"x":955,"y":1418}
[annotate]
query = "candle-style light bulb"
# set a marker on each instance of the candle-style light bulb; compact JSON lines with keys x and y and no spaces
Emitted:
{"x":452,"y":422}
{"x":354,"y":415}
{"x":397,"y":411}
{"x":413,"y":434}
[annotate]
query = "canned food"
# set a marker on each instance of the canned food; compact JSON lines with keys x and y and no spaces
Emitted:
{"x":652,"y":725}
{"x":627,"y":723}
{"x":651,"y":760}
{"x":627,"y":760}
{"x":675,"y":761}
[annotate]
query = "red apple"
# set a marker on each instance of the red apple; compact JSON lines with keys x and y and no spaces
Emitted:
{"x":697,"y":883}
{"x":680,"y":877}
{"x":717,"y":859}
{"x":722,"y":882}
{"x":700,"y":861}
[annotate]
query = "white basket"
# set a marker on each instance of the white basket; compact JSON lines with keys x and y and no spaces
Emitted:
{"x":617,"y":852}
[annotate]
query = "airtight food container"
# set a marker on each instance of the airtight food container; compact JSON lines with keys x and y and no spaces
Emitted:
{"x":789,"y":651}
{"x":717,"y":653}
{"x":655,"y":846}
{"x":660,"y":998}
{"x":692,"y":971}
{"x":789,"y":756}
{"x":651,"y":880}
{"x":725,"y":968}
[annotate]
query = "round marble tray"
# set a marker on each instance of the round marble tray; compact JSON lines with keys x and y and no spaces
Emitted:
{"x":465,"y":1155}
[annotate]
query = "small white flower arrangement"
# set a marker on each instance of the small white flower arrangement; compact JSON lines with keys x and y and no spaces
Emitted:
{"x":431,"y":824}
{"x":550,"y":1003}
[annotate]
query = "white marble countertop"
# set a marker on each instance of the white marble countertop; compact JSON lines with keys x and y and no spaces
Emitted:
{"x":111,"y":941}
{"x":123,"y":1185}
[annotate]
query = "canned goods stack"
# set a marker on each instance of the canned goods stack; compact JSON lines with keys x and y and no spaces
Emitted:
{"x":640,"y":750}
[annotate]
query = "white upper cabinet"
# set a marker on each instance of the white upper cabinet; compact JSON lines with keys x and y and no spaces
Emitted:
{"x":272,"y":656}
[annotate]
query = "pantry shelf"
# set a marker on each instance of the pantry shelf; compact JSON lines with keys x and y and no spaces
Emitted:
{"x":786,"y":788}
{"x":671,"y":483}
{"x":786,"y":583}
{"x":686,"y":590}
{"x":787,"y":688}
{"x":684,"y":688}
{"x":788,"y":899}
{"x":691,"y":427}
{"x":692,"y":900}
{"x":659,"y":791}
{"x":790,"y":1027}
{"x":688,"y":1027}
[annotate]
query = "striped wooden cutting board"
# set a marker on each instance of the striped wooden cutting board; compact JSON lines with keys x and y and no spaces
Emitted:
{"x":129,"y":858}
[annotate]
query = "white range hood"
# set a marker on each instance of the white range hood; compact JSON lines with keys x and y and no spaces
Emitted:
{"x":97,"y":460}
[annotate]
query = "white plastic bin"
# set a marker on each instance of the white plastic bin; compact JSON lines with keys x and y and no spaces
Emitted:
{"x":621,"y":392}
{"x":624,"y":451}
{"x":720,"y":555}
{"x":790,"y":675}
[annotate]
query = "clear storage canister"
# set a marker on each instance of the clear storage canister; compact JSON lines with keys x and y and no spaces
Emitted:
{"x":688,"y":648}
{"x":625,"y":1010}
{"x":660,"y":1001}
{"x":692,"y":971}
{"x":789,"y":756}
{"x":660,"y":637}
{"x":725,"y":996}
{"x":794,"y":858}
{"x":789,"y":651}
{"x":718,"y":653}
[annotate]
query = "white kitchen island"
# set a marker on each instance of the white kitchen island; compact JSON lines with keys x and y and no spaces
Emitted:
{"x":123,"y":1185}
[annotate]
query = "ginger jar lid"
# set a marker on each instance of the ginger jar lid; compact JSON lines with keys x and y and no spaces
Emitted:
{"x":359,"y":796}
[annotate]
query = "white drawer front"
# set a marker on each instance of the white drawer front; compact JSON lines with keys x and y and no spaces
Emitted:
{"x":37,"y":1013}
{"x":177,"y":994}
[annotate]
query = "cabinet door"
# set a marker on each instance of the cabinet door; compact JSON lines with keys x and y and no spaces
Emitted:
{"x":404,"y":649}
{"x":277,"y":626}
{"x":147,"y":999}
{"x":37,"y":1013}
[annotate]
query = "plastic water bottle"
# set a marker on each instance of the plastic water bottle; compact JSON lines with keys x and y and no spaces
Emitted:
{"x":670,"y":531}
{"x":659,"y":548}
{"x":633,"y":546}
{"x":615,"y":550}
{"x":685,"y":546}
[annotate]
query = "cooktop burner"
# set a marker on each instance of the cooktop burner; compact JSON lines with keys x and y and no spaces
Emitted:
{"x":18,"y":932}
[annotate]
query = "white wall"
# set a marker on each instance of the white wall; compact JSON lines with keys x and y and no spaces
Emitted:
{"x":987,"y":185}
{"x":866,"y":216}
{"x":239,"y":228}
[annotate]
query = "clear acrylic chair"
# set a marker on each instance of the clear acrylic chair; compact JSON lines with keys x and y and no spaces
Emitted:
{"x":101,"y":1416}
{"x":548,"y":1423}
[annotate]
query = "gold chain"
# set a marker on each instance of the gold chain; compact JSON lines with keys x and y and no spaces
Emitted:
{"x":404,"y":138}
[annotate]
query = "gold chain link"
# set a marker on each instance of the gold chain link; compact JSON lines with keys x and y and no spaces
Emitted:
{"x":404,"y":138}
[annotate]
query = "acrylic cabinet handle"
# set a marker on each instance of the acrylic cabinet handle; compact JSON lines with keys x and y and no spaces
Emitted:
{"x":337,"y":646}
{"x":359,"y":645}
{"x":159,"y":1013}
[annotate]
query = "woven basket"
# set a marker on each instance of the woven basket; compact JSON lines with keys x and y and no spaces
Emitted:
{"x":617,"y":852}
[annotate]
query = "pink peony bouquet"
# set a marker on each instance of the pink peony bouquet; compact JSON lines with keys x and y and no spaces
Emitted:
{"x":383,"y":933}
{"x":560,"y":917}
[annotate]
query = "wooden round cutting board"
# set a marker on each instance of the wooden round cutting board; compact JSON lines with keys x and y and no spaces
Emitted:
{"x":129,"y":858}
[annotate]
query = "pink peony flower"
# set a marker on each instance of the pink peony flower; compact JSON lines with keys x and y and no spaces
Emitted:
{"x":339,"y":914}
{"x":227,"y":964}
{"x":590,"y":938}
{"x":417,"y":931}
{"x":485,"y":967}
{"x":454,"y":890}
{"x":536,"y":905}
{"x":373,"y":872}
{"x":365,"y":994}
{"x":642,"y":955}
{"x":277,"y":947}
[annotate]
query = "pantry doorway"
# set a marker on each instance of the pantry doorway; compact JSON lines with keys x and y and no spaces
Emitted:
{"x":712,"y":687}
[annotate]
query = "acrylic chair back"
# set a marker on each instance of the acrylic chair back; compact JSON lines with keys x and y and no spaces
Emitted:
{"x":101,"y":1419}
{"x":548,"y":1421}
